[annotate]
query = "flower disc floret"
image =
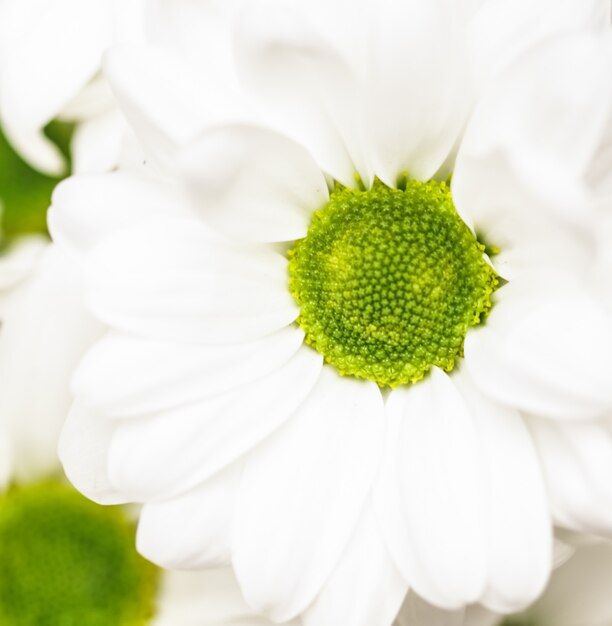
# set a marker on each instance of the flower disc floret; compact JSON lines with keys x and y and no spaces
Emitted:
{"x":389,"y":281}
{"x":65,"y":560}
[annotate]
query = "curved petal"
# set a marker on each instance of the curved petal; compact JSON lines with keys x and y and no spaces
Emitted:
{"x":499,"y":32}
{"x":418,"y":89}
{"x":365,"y":588}
{"x":253,"y":183}
{"x":577,"y":462}
{"x":537,"y":129}
{"x":170,"y":279}
{"x":544,"y":349}
{"x":125,"y":376}
{"x":429,"y":495}
{"x":166,"y":453}
{"x":302,"y":493}
{"x":86,"y":209}
{"x":519,"y":526}
{"x":206,"y":598}
{"x":305,"y":87}
{"x":416,"y":612}
{"x":41,"y":72}
{"x":199,"y":31}
{"x":191,"y":531}
{"x":167,"y":102}
{"x":97,"y":143}
{"x":83,"y":451}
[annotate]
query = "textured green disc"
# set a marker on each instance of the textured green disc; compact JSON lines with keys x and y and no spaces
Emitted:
{"x":389,"y":281}
{"x":65,"y":561}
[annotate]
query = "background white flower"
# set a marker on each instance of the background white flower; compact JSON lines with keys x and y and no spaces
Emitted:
{"x":50,"y":59}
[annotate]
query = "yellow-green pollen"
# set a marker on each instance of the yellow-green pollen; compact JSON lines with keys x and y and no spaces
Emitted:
{"x":389,"y":281}
{"x":65,"y":561}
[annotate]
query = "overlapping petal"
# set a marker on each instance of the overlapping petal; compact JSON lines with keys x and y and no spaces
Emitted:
{"x":302,"y":493}
{"x":174,"y":280}
{"x":254,"y":184}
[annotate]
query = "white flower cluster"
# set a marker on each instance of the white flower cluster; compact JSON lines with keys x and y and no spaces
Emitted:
{"x":328,"y":295}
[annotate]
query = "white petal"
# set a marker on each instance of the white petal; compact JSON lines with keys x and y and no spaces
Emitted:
{"x":544,"y":349}
{"x":172,"y":280}
{"x":253,"y":183}
{"x":305,"y":87}
{"x":418,"y":90}
{"x":124,"y":376}
{"x":96,"y":144}
{"x":191,"y":531}
{"x":83,"y":451}
{"x":87,"y":209}
{"x":165,"y":100}
{"x":206,"y":598}
{"x":365,"y":589}
{"x":168,"y":452}
{"x":429,"y":495}
{"x":537,"y":130}
{"x":519,"y":526}
{"x":416,"y":612}
{"x":500,"y":32}
{"x":577,"y":462}
{"x":302,"y":493}
{"x":199,"y":31}
{"x":43,"y":71}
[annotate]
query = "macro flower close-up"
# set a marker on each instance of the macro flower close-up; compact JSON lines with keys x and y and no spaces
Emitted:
{"x":342,"y":298}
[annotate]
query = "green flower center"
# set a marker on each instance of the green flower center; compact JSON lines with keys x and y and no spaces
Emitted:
{"x":67,"y":561}
{"x":389,"y":281}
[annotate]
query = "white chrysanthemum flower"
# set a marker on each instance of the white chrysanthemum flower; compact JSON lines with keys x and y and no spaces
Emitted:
{"x":217,"y":397}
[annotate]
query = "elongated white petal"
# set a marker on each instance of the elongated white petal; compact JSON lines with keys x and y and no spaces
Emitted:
{"x":538,"y":129}
{"x":544,"y":349}
{"x":366,"y":588}
{"x":418,"y":89}
{"x":416,"y":612}
{"x":83,"y":451}
{"x":171,"y":451}
{"x":499,"y":32}
{"x":519,"y":537}
{"x":191,"y":531}
{"x":86,"y":209}
{"x":304,"y":85}
{"x":429,"y":495}
{"x":206,"y":598}
{"x":172,"y":280}
{"x":125,"y":376}
{"x":97,"y":143}
{"x":302,"y":493}
{"x":253,"y":183}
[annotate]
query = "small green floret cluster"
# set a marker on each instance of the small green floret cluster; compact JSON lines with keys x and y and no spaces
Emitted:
{"x":389,"y":281}
{"x":65,"y":561}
